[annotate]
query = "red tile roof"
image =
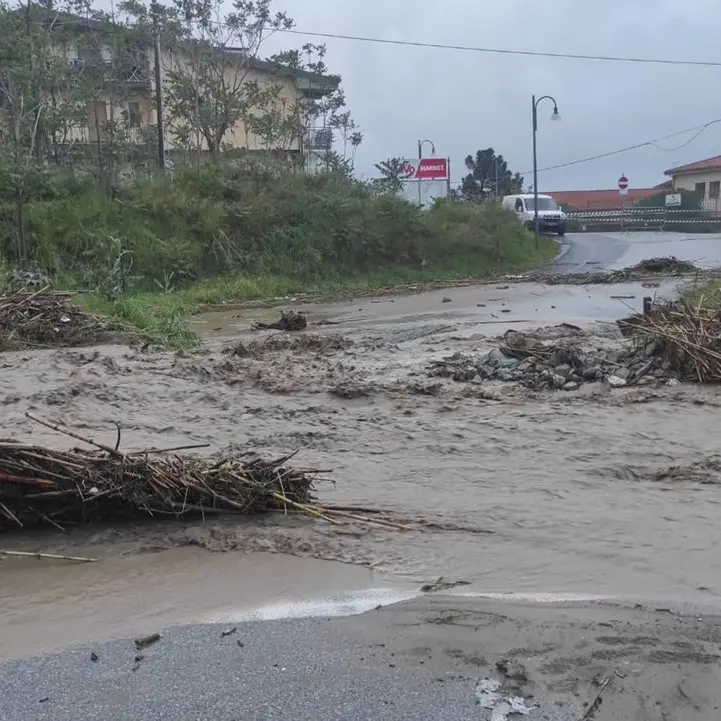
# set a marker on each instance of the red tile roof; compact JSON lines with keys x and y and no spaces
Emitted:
{"x":707,"y":164}
{"x":601,"y":199}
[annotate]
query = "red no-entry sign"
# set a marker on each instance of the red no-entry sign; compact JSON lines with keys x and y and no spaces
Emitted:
{"x":623,"y":182}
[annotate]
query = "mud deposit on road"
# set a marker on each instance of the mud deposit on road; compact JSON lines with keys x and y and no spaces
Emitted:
{"x":597,"y":491}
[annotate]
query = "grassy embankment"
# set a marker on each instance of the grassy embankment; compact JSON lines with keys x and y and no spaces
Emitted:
{"x":706,"y":295}
{"x":163,"y":249}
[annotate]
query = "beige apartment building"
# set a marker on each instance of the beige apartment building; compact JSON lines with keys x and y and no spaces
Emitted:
{"x":134,"y":106}
{"x":703,"y":177}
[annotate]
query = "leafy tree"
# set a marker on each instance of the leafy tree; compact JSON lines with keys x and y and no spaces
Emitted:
{"x":391,"y":170}
{"x":489,"y":177}
{"x":207,"y":89}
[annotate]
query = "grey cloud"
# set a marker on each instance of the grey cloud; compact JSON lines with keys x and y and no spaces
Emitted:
{"x":465,"y":101}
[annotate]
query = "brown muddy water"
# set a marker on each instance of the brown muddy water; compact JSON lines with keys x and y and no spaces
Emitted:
{"x":553,"y":494}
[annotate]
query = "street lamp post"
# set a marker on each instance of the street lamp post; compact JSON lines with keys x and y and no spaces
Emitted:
{"x":421,"y":143}
{"x":555,"y":116}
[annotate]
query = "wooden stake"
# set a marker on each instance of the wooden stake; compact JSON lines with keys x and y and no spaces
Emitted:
{"x":73,"y":434}
{"x":51,"y":556}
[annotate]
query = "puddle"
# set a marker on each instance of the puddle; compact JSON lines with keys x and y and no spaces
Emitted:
{"x":48,"y":606}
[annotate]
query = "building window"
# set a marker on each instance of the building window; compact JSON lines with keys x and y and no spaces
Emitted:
{"x":135,"y":118}
{"x":700,"y":188}
{"x":714,"y":189}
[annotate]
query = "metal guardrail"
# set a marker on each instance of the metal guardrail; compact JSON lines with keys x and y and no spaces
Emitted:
{"x":644,"y":218}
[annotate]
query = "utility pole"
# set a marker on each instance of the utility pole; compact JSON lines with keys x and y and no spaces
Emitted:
{"x":158,"y":90}
{"x":420,"y":157}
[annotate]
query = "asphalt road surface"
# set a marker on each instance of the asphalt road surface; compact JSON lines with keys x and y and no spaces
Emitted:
{"x":287,"y":670}
{"x":598,"y":251}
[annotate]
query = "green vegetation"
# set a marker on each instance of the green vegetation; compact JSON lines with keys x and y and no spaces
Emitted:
{"x":83,"y":202}
{"x":163,"y":234}
{"x":705,"y":295}
{"x":162,"y":248}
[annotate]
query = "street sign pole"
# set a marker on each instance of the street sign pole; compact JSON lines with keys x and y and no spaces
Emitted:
{"x":623,"y":191}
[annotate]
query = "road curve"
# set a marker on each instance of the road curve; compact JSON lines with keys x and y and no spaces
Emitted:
{"x":582,"y":252}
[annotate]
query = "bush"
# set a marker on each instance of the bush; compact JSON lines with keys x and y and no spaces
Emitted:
{"x":250,"y":220}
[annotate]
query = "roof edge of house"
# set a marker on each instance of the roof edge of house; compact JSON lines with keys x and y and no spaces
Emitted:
{"x":713,"y":163}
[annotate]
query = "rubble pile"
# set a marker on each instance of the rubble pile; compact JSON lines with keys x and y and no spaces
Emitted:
{"x":663,"y":267}
{"x":289,"y":321}
{"x":686,"y":333}
{"x":48,"y":319}
{"x":561,"y":363}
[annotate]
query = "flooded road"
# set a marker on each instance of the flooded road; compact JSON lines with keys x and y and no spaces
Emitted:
{"x":49,"y":606}
{"x":532,"y":493}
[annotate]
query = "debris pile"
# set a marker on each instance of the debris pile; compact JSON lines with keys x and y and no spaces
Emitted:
{"x":45,"y":487}
{"x":289,"y":321}
{"x":304,"y":343}
{"x":42,"y":486}
{"x":667,"y":265}
{"x":687,"y":336}
{"x":663,"y":267}
{"x":29,"y":279}
{"x":560,"y":363}
{"x":46,"y":319}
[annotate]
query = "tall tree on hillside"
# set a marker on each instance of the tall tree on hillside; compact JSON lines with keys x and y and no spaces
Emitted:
{"x":489,"y":177}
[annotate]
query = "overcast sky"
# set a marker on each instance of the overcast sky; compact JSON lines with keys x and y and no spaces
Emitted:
{"x":464,"y":101}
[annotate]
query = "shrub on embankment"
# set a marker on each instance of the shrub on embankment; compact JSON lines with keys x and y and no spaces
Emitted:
{"x":244,"y":220}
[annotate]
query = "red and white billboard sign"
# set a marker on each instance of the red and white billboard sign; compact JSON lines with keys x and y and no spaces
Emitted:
{"x":432,"y":169}
{"x":426,"y":169}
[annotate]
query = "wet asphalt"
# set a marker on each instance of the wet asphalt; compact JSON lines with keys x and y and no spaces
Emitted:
{"x":294,"y":670}
{"x":582,"y":252}
{"x":287,"y":670}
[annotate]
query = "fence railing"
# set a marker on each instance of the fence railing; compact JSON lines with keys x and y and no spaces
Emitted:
{"x":641,"y":218}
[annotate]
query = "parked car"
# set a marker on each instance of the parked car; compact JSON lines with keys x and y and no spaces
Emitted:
{"x":551,"y":219}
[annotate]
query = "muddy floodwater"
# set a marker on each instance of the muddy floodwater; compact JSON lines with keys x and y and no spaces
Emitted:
{"x":545,"y":494}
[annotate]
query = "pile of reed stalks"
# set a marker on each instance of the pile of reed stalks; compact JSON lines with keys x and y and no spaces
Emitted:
{"x":43,"y":486}
{"x":46,"y":318}
{"x":687,"y":334}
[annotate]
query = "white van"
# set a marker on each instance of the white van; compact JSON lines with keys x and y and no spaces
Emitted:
{"x":550,"y":217}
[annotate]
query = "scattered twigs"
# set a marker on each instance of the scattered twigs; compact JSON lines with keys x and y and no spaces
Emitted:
{"x":74,"y":434}
{"x":356,"y":517}
{"x":46,"y":318}
{"x":50,"y":556}
{"x":593,"y":706}
{"x":687,"y":335}
{"x":43,"y":486}
{"x":170,"y":450}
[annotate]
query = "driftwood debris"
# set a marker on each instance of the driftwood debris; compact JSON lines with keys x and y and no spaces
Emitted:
{"x":289,"y":321}
{"x":46,"y":487}
{"x":49,"y":556}
{"x":46,"y":318}
{"x":43,"y":486}
{"x":686,"y":334}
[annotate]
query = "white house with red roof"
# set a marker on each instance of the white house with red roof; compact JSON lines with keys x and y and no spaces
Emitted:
{"x":703,"y":176}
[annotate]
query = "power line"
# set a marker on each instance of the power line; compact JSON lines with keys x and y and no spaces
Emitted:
{"x":506,"y":51}
{"x":474,"y":49}
{"x":697,"y":130}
